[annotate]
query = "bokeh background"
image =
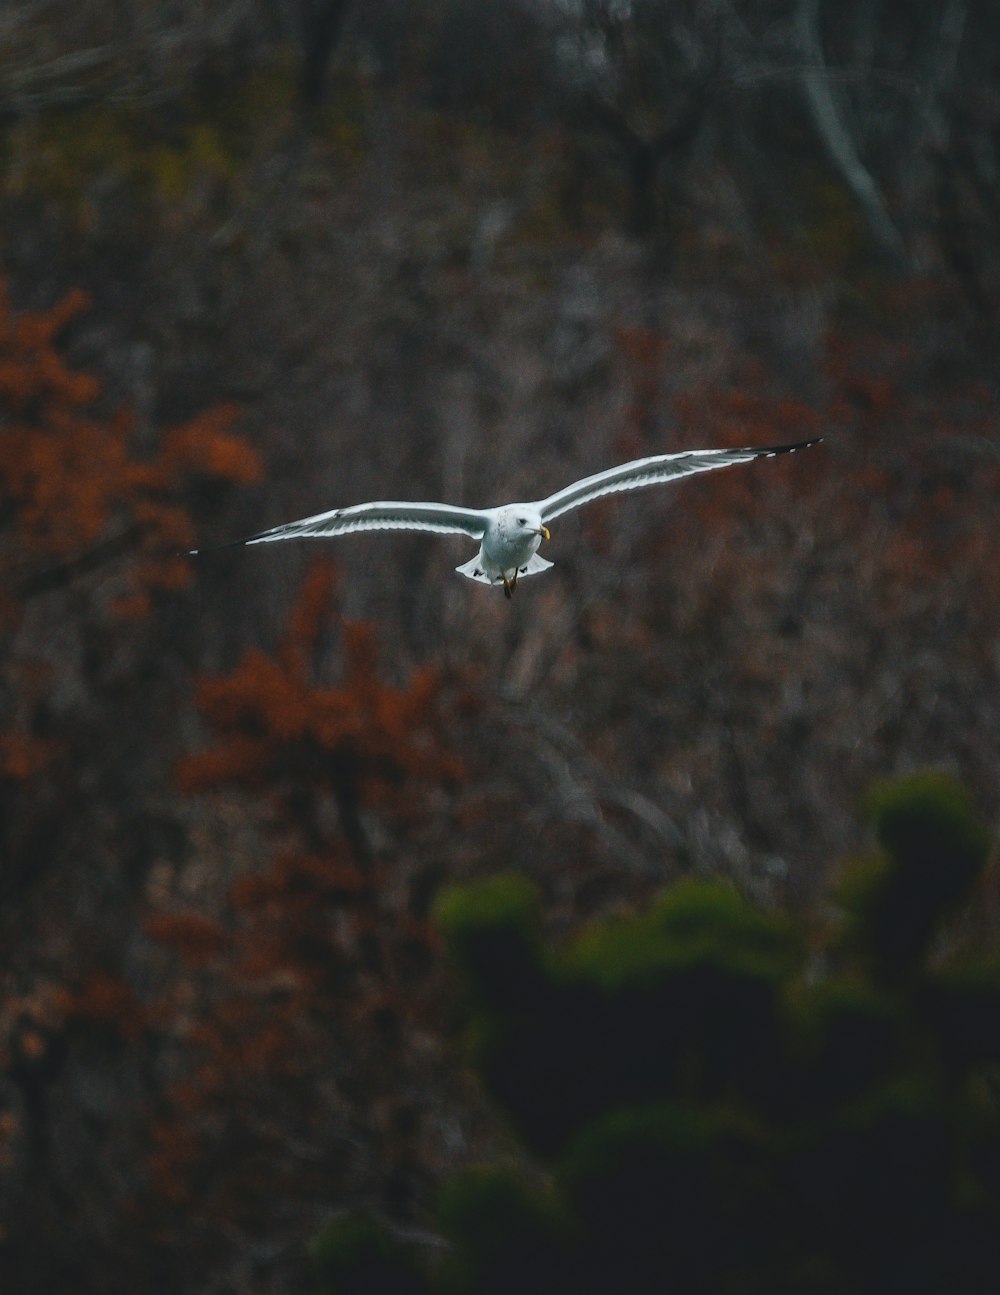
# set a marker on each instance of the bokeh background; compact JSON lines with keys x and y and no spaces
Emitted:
{"x":262,"y":259}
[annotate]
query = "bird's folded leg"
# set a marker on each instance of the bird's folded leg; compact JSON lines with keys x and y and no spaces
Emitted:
{"x":509,"y":586}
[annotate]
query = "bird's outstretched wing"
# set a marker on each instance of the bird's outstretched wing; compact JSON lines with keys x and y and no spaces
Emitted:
{"x":383,"y":515}
{"x":653,"y":472}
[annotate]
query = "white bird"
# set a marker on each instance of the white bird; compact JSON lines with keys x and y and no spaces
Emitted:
{"x":509,"y":536}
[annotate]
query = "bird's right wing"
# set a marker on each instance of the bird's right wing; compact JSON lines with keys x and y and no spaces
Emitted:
{"x":383,"y":515}
{"x":653,"y":472}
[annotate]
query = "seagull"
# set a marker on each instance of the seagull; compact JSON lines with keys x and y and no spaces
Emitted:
{"x":509,"y":536}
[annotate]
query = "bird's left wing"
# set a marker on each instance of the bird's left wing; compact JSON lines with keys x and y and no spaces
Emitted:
{"x":653,"y":472}
{"x":382,"y":515}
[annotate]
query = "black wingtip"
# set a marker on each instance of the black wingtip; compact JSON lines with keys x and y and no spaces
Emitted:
{"x":217,"y":548}
{"x":768,"y":451}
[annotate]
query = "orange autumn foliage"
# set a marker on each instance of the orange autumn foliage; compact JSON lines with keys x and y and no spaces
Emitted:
{"x":321,"y":968}
{"x":78,"y":495}
{"x":69,"y":473}
{"x":272,"y":719}
{"x":106,"y":1002}
{"x":23,"y":755}
{"x":197,"y":937}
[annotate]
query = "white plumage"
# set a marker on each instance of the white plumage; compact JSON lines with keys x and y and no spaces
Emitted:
{"x":509,"y":536}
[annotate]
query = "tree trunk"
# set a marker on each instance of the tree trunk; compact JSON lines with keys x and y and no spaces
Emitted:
{"x":322,"y":23}
{"x":836,"y":139}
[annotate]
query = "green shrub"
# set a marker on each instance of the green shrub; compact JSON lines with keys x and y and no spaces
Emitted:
{"x":718,"y":1101}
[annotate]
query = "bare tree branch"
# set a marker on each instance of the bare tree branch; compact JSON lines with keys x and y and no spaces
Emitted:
{"x":836,"y":138}
{"x":62,"y":573}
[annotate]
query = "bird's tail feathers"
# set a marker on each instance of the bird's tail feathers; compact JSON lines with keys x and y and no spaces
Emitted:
{"x":474,"y":570}
{"x":534,"y":566}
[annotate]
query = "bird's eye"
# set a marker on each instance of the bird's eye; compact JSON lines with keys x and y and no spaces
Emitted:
{"x":522,"y":521}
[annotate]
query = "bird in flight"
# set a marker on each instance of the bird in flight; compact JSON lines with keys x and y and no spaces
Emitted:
{"x":509,"y":536}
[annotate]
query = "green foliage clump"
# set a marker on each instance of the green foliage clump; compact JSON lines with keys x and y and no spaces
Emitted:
{"x":933,"y":848}
{"x":493,"y":932}
{"x":161,"y":159}
{"x":508,"y":1235}
{"x":721,"y":1103}
{"x":354,"y":1256}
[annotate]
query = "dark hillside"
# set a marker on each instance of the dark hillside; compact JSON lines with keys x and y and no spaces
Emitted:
{"x":260,"y":261}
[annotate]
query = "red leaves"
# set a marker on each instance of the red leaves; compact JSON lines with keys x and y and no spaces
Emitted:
{"x":22,"y":755}
{"x":106,"y":1001}
{"x":31,"y":370}
{"x":272,"y":718}
{"x":309,"y":992}
{"x":317,"y":875}
{"x":68,"y":470}
{"x":197,"y":938}
{"x":312,"y":613}
{"x":78,"y":497}
{"x":205,"y":446}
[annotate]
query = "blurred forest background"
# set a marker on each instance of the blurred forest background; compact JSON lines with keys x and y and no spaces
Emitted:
{"x":260,"y":259}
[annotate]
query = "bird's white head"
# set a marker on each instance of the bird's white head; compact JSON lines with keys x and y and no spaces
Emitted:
{"x":525,"y":519}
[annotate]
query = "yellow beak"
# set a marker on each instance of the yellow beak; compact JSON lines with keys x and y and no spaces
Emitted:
{"x":545,"y":532}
